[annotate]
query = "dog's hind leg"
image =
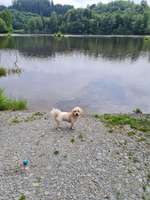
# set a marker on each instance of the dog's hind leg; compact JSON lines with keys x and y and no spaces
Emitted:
{"x":57,"y":124}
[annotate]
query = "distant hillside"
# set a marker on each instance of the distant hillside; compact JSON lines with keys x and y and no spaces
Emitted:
{"x":43,"y":16}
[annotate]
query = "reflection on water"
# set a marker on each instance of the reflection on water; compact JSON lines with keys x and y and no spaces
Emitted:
{"x":101,"y":74}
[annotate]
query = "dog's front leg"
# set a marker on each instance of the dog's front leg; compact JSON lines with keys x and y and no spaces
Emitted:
{"x":72,"y":124}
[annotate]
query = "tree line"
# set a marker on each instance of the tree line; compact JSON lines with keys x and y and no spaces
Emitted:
{"x":43,"y":16}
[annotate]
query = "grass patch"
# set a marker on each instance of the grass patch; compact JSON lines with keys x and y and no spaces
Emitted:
{"x":72,"y":140}
{"x":110,"y":130}
{"x":140,"y":124}
{"x":3,"y":71}
{"x":131,"y":133}
{"x":22,"y":197}
{"x":11,"y":104}
{"x":56,"y":153}
{"x":132,"y":157}
{"x":81,"y":137}
{"x":38,"y":114}
{"x":146,"y":194}
{"x":16,"y":120}
{"x":148,"y":177}
{"x":30,"y":118}
{"x":34,"y":116}
{"x":141,"y":139}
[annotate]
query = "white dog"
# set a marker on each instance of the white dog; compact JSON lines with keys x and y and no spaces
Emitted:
{"x":70,"y":117}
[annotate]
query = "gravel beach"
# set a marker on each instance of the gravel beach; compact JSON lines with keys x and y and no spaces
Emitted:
{"x":87,"y":163}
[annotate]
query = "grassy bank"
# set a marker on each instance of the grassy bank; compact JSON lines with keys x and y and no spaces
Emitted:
{"x":136,"y":122}
{"x":8,"y":71}
{"x":3,"y":71}
{"x":11,"y":104}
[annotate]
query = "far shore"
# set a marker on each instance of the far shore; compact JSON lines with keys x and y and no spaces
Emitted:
{"x":69,"y":35}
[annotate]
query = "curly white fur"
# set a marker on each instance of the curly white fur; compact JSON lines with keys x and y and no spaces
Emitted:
{"x":70,"y":117}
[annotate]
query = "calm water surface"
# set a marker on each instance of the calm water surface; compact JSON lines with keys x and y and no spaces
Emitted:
{"x":100,"y":74}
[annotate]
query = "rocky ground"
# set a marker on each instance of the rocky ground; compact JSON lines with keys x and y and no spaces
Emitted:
{"x":88,"y":163}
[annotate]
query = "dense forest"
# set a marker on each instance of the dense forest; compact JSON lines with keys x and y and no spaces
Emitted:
{"x":43,"y":16}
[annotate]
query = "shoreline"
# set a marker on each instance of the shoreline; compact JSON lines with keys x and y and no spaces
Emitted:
{"x":68,"y":35}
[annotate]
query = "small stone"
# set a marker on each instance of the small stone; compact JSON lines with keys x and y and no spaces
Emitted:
{"x":27,"y":193}
{"x":43,"y":134}
{"x":35,"y":184}
{"x":46,"y":193}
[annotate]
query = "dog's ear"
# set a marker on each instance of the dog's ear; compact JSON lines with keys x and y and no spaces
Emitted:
{"x":72,"y":111}
{"x":82,"y":112}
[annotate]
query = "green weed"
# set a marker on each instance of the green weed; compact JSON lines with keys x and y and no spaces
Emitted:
{"x":141,"y":124}
{"x":11,"y":104}
{"x":3,"y":71}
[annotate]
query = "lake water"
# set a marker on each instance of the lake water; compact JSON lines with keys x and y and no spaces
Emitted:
{"x":100,"y":74}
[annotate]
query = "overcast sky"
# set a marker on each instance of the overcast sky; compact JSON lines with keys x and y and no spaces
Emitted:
{"x":76,"y":3}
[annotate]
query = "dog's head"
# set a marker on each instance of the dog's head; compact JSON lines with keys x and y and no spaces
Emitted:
{"x":77,"y":111}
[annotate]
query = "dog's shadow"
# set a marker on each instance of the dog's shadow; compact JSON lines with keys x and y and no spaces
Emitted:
{"x":63,"y":129}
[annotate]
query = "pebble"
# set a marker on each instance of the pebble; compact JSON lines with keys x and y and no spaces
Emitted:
{"x":35,"y":184}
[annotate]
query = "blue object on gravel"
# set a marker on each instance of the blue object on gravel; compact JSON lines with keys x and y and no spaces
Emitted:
{"x":25,"y":162}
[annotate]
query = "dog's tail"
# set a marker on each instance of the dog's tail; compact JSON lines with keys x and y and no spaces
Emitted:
{"x":55,"y":112}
